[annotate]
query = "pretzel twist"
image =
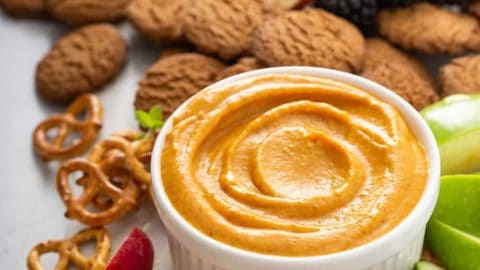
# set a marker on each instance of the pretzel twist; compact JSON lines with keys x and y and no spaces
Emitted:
{"x":97,"y":181}
{"x":69,"y":252}
{"x":67,"y":124}
{"x":136,"y":154}
{"x":142,"y":149}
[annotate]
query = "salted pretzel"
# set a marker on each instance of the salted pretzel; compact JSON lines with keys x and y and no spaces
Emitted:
{"x":67,"y":124}
{"x":134,"y":152}
{"x":69,"y":252}
{"x":141,"y":150}
{"x":96,"y":181}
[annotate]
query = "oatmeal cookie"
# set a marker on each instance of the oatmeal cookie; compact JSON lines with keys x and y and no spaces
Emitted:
{"x":380,"y":51}
{"x":404,"y":81}
{"x":430,"y":29}
{"x":87,"y":11}
{"x":311,"y":37}
{"x":461,"y":76}
{"x":222,"y":27}
{"x":244,"y":64}
{"x":24,"y":8}
{"x":82,"y":61}
{"x":173,"y":79}
{"x":158,"y":20}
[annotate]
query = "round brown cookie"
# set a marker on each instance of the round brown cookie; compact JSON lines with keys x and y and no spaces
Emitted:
{"x":404,"y":81}
{"x":158,"y":20}
{"x":311,"y":37}
{"x":24,"y":8}
{"x":173,"y":79}
{"x":222,"y":27}
{"x":87,"y":11}
{"x":81,"y":61}
{"x":379,"y":51}
{"x":430,"y":29}
{"x":461,"y":76}
{"x":244,"y":64}
{"x":172,"y":51}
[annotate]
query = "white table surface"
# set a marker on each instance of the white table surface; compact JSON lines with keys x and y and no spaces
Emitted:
{"x":30,"y":208}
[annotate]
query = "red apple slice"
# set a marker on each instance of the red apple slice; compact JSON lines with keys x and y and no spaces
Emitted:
{"x":303,"y":3}
{"x":136,"y":252}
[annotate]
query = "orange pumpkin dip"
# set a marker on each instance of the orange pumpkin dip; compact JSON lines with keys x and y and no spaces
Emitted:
{"x":292,"y":165}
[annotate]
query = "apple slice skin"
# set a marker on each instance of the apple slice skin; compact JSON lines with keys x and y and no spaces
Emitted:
{"x":135,"y":253}
{"x":456,"y":249}
{"x":455,"y":122}
{"x":453,"y":233}
{"x":427,"y":266}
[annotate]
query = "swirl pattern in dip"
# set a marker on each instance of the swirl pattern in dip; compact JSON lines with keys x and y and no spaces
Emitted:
{"x":292,"y":165}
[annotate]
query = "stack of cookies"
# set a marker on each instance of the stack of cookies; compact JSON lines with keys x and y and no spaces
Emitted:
{"x":211,"y":40}
{"x":214,"y":39}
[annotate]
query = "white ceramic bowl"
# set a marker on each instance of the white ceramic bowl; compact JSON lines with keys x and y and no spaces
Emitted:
{"x":399,"y":249}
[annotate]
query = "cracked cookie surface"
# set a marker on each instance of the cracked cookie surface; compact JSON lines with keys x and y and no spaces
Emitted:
{"x":222,"y":27}
{"x":24,"y":8}
{"x":87,"y":11}
{"x":404,"y":82}
{"x":82,"y":61}
{"x":174,"y":78}
{"x":430,"y":29}
{"x":311,"y":37}
{"x":244,"y":64}
{"x":461,"y":76}
{"x":399,"y":72}
{"x":379,"y":51}
{"x":158,"y":20}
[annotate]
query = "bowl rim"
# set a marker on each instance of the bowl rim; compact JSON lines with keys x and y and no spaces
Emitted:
{"x":361,"y":256}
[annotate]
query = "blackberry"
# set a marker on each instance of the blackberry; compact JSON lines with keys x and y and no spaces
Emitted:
{"x":360,"y":12}
{"x":395,"y":3}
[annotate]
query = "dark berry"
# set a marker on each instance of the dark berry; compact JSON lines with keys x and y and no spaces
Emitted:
{"x":360,"y":12}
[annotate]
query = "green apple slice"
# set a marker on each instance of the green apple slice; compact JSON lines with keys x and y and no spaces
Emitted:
{"x":427,"y":266}
{"x":453,"y":232}
{"x":455,"y":122}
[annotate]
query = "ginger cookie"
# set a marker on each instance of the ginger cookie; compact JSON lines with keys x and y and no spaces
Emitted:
{"x":310,"y":37}
{"x":81,"y":61}
{"x":380,"y":51}
{"x":461,"y":76}
{"x":430,"y":29}
{"x":158,"y":20}
{"x":87,"y":11}
{"x":24,"y":8}
{"x":222,"y":27}
{"x":173,"y":79}
{"x":244,"y":64}
{"x":404,"y":81}
{"x":399,"y":72}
